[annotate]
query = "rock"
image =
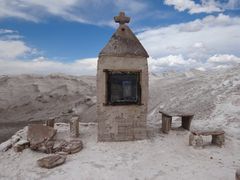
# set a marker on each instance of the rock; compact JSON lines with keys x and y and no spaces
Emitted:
{"x":5,"y":145}
{"x":51,"y":161}
{"x":21,"y":145}
{"x":74,"y":127}
{"x":9,"y":143}
{"x":238,"y":174}
{"x":62,"y":153}
{"x":73,"y":146}
{"x":41,"y":137}
{"x":58,"y":145}
{"x":46,"y":147}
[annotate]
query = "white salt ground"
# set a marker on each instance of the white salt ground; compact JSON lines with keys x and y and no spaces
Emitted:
{"x":160,"y":157}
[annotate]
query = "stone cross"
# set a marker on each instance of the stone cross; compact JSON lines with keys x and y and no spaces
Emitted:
{"x":121,"y":18}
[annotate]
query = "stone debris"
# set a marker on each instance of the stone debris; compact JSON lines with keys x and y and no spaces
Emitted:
{"x":41,"y":137}
{"x":74,"y":127}
{"x":46,"y":147}
{"x":73,"y":146}
{"x":58,"y":146}
{"x":5,"y":146}
{"x":51,"y":161}
{"x":62,"y":153}
{"x":21,"y":145}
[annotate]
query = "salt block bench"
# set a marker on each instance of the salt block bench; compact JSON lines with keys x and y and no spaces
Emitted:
{"x":167,"y":120}
{"x":218,"y":138}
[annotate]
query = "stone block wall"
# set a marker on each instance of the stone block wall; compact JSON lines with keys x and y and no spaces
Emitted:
{"x":121,"y":122}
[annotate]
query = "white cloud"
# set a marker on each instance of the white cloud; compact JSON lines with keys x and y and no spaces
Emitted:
{"x":232,"y":4}
{"x":12,"y":46}
{"x":224,"y":59}
{"x":42,"y":65}
{"x":171,"y":62}
{"x":211,"y":42}
{"x":6,"y":31}
{"x":206,"y":6}
{"x":13,"y":53}
{"x":84,"y":11}
{"x":13,"y":49}
{"x":194,"y":44}
{"x":198,"y":39}
{"x":179,"y":63}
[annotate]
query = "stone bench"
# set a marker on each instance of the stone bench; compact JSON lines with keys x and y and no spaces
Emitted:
{"x":167,"y":120}
{"x":218,"y":138}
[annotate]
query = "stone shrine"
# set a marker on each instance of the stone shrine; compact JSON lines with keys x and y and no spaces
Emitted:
{"x":122,"y":86}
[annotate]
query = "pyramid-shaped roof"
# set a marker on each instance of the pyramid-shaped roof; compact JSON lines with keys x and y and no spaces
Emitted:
{"x":123,"y":43}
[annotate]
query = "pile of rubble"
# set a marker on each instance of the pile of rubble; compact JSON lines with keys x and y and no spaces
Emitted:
{"x":42,"y":138}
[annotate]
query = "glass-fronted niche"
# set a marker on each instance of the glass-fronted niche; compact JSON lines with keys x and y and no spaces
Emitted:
{"x":123,"y":87}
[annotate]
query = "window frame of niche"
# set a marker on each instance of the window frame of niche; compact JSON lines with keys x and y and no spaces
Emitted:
{"x":109,"y":74}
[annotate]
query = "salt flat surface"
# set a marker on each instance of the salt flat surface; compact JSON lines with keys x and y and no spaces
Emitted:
{"x":159,"y":157}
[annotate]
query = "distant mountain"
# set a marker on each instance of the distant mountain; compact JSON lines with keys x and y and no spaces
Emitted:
{"x":213,"y":96}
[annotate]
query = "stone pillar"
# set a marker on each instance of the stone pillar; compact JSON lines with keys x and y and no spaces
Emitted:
{"x":50,"y":122}
{"x":166,"y":123}
{"x":74,"y":127}
{"x":195,"y":140}
{"x":199,"y":141}
{"x":186,"y":121}
{"x":191,"y":139}
{"x":218,"y":139}
{"x":237,"y":176}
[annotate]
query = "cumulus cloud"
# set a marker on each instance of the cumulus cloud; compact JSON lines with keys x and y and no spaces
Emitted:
{"x":179,"y":63}
{"x":210,"y":42}
{"x":206,"y":6}
{"x":11,"y":45}
{"x":13,"y":49}
{"x":16,"y":57}
{"x":224,"y":59}
{"x":171,"y":62}
{"x":197,"y":39}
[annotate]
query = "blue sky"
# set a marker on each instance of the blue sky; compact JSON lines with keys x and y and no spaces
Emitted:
{"x":66,"y":33}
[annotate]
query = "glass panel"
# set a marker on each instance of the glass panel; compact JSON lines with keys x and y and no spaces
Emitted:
{"x":127,"y":89}
{"x":123,"y":87}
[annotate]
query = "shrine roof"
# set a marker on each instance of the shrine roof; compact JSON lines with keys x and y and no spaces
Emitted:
{"x":123,"y":42}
